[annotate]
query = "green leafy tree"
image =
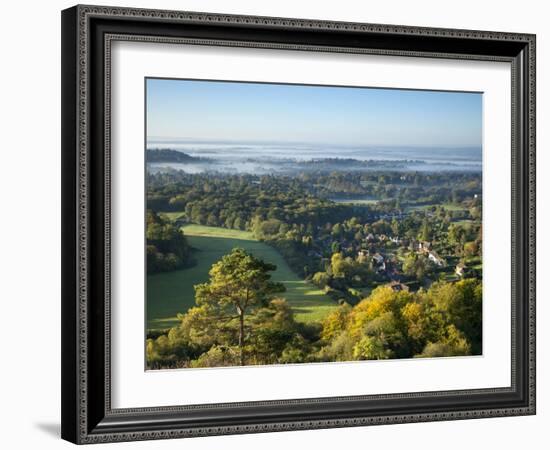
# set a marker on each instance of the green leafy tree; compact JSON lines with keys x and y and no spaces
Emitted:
{"x":275,"y":336}
{"x":167,"y":247}
{"x":415,"y":265}
{"x":460,"y":305}
{"x":338,"y":265}
{"x":452,"y":344}
{"x":238,"y":284}
{"x":426,"y":231}
{"x":321,"y":279}
{"x":335,"y":322}
{"x":370,"y":347}
{"x":471,"y":249}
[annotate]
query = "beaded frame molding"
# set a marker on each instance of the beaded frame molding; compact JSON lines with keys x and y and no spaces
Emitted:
{"x":87,"y":35}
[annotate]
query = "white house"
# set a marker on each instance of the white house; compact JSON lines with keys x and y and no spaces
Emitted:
{"x":436,"y":259}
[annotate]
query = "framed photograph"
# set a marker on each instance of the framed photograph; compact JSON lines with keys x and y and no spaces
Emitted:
{"x":278,"y":224}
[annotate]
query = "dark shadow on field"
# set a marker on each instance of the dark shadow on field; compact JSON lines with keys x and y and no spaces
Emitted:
{"x":300,"y":310}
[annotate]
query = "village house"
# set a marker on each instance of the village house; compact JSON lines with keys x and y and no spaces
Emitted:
{"x":362,"y":255}
{"x":424,"y":246}
{"x":436,"y":259}
{"x":378,"y":262}
{"x":460,"y":269}
{"x":378,"y":259}
{"x":398,"y":286}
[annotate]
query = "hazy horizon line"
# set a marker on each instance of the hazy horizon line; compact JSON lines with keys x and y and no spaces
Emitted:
{"x":190,"y":140}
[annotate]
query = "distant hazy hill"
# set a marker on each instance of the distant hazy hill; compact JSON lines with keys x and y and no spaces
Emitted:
{"x":167,"y":155}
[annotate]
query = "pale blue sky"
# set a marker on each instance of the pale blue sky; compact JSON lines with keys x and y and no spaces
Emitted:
{"x":206,"y":110}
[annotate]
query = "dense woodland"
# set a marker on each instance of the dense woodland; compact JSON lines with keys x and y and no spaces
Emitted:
{"x":405,"y":266}
{"x":167,"y":155}
{"x":167,"y":248}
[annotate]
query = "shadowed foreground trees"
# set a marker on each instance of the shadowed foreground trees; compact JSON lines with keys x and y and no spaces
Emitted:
{"x":167,"y":247}
{"x":240,"y":320}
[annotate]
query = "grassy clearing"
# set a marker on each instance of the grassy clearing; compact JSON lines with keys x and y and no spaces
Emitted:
{"x":172,"y":292}
{"x":356,"y":201}
{"x":217,"y":232}
{"x":447,"y":206}
{"x":464,"y":222}
{"x":453,"y":207}
{"x":475,"y":263}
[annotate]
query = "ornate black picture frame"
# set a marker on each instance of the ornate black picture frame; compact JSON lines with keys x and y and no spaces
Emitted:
{"x":87,"y":33}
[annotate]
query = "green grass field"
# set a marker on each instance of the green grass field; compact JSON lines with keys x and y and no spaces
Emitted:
{"x":170,"y":293}
{"x":447,"y":206}
{"x":464,"y":222}
{"x":356,"y":201}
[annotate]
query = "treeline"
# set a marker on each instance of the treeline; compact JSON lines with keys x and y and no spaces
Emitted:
{"x":234,"y":201}
{"x":167,"y":247}
{"x":403,"y":187}
{"x":307,"y":229}
{"x":417,"y":187}
{"x":168,"y":155}
{"x":231,"y":329}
